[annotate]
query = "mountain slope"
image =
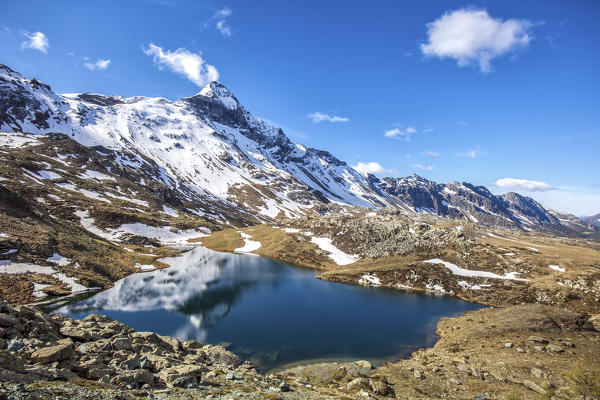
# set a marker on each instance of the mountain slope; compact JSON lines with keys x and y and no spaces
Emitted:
{"x":207,"y":154}
{"x":206,"y":145}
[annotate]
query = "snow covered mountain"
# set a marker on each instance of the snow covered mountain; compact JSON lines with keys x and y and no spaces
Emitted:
{"x":593,"y":219}
{"x":207,"y":145}
{"x":209,"y":154}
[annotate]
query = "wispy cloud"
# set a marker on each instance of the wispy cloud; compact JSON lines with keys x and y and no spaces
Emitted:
{"x":317,"y":117}
{"x":98,"y":65}
{"x":427,"y":130}
{"x":424,"y":167}
{"x":400,"y":134}
{"x":462,"y":123}
{"x":523,"y":184}
{"x":37,"y":41}
{"x":430,"y":153}
{"x":183,"y":62}
{"x":473,"y":37}
{"x":473,"y":153}
{"x":219,"y":21}
{"x":373,"y":168}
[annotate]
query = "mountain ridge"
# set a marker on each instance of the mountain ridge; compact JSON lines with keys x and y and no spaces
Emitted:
{"x":210,"y":149}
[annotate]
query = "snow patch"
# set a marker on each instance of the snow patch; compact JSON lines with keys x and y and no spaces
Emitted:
{"x":456,"y":270}
{"x":557,"y":268}
{"x":91,"y":174}
{"x":170,"y":211}
{"x":23,"y":268}
{"x":338,"y":256}
{"x":249,"y":245}
{"x":369,"y":280}
{"x":145,"y":267}
{"x":59,"y":260}
{"x":38,"y":290}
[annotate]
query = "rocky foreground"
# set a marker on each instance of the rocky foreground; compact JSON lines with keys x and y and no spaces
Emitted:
{"x":523,"y":351}
{"x":54,"y":356}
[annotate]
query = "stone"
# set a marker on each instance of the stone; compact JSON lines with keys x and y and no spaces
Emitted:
{"x":284,"y":387}
{"x":537,"y":339}
{"x":174,"y":344}
{"x":595,"y":321}
{"x":498,"y":376}
{"x":191,"y":345}
{"x":539,"y":348}
{"x":520,"y":350}
{"x":357,"y":383}
{"x":568,"y":344}
{"x":8,"y":321}
{"x":364,"y":364}
{"x":121,"y":343}
{"x":11,"y":361}
{"x":380,"y":387}
{"x":132,"y":363}
{"x":555,"y":348}
{"x":75,"y":333}
{"x":186,"y":381}
{"x":533,"y":386}
{"x":15,"y":345}
{"x":538,"y":373}
{"x":134,"y":379}
{"x":509,"y":345}
{"x":220,"y":356}
{"x":53,"y":353}
{"x":418,"y":374}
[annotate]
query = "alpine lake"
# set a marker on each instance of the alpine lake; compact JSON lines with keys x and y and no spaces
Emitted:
{"x":270,"y":313}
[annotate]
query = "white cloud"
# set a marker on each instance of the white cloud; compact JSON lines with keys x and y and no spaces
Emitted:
{"x":397,"y":133}
{"x":98,"y":65}
{"x":430,"y":153}
{"x":424,"y":167}
{"x":220,"y":21}
{"x":472,"y":37}
{"x":223,"y":28}
{"x":373,"y":168}
{"x":523,"y":184}
{"x":462,"y":123}
{"x":185,"y":63}
{"x":37,"y":41}
{"x":473,"y":153}
{"x":400,"y":133}
{"x":320,"y":117}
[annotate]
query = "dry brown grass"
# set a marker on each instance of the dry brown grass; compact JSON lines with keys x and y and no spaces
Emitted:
{"x":275,"y":243}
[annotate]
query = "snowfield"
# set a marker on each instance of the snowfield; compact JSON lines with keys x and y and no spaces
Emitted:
{"x":7,"y":267}
{"x":456,"y":270}
{"x":163,"y":234}
{"x":338,"y":256}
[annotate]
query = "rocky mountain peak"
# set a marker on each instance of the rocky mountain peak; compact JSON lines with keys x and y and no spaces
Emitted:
{"x":216,"y":91}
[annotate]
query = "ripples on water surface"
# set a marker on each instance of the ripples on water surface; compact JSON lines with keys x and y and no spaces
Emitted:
{"x":270,"y":312}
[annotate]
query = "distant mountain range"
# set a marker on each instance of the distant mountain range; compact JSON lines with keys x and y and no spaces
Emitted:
{"x":207,"y":155}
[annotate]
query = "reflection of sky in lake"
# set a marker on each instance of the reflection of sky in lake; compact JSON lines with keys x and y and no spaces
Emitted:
{"x":272,"y":313}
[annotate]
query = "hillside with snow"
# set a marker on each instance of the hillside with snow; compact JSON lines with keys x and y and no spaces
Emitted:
{"x":209,"y":156}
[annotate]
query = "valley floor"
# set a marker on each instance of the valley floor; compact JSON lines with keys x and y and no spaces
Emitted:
{"x":541,"y":341}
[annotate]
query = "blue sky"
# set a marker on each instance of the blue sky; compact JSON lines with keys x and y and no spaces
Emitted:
{"x":451,"y":90}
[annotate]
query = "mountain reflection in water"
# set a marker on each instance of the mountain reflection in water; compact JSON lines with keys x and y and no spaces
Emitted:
{"x":271,"y":313}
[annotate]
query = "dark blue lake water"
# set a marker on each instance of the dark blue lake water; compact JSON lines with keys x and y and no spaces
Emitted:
{"x":271,"y":313}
